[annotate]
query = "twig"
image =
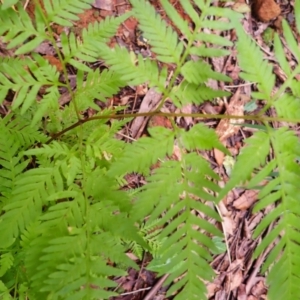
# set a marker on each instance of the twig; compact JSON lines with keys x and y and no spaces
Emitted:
{"x":156,"y":287}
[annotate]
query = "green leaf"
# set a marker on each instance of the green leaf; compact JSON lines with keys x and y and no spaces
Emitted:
{"x":141,"y":155}
{"x":254,"y":67}
{"x":162,"y":38}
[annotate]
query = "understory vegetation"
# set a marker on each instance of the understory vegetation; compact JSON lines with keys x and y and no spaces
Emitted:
{"x":66,"y":223}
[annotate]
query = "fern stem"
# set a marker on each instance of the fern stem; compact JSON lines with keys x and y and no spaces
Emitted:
{"x":258,"y":118}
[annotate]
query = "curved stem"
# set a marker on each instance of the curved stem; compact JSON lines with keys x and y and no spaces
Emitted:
{"x":170,"y":115}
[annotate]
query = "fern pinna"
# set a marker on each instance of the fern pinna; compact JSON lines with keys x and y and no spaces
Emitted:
{"x":65,"y":223}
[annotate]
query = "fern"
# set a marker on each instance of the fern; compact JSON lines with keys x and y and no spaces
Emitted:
{"x":282,"y":191}
{"x":93,"y":36}
{"x":65,"y":221}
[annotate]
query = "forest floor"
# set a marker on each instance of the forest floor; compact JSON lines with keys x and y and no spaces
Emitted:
{"x":237,"y":274}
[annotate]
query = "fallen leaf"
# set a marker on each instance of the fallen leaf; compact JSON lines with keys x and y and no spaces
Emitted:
{"x":246,"y":200}
{"x":242,"y":295}
{"x":235,"y":278}
{"x":219,"y":156}
{"x":228,"y":127}
{"x":103,"y":4}
{"x":54,"y":62}
{"x":241,"y":7}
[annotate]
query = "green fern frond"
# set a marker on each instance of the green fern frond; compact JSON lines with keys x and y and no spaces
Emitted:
{"x":291,"y":82}
{"x":62,"y":12}
{"x":93,"y":37}
{"x":185,"y":249}
{"x":288,"y":106}
{"x":31,"y":191}
{"x":258,"y":147}
{"x":161,"y":187}
{"x":141,"y":155}
{"x":149,"y":231}
{"x":283,"y":190}
{"x":8,"y":3}
{"x":133,"y":69}
{"x":101,"y":144}
{"x":98,"y":189}
{"x":26,"y":77}
{"x":289,"y":37}
{"x":190,"y":71}
{"x":200,"y":137}
{"x":171,"y":194}
{"x":6,"y":262}
{"x":280,"y":55}
{"x":47,"y":104}
{"x":54,"y":150}
{"x":17,"y":27}
{"x":162,"y":38}
{"x":187,"y":92}
{"x":173,"y":14}
{"x":20,"y":128}
{"x":16,"y":136}
{"x":96,"y":86}
{"x":79,"y":272}
{"x":254,"y":67}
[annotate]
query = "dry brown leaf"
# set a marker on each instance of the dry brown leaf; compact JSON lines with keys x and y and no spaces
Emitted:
{"x":266,"y":10}
{"x":259,"y":289}
{"x":103,"y":4}
{"x":160,"y":121}
{"x":149,"y":103}
{"x":246,"y":200}
{"x":242,"y":292}
{"x":228,"y":225}
{"x":219,"y":156}
{"x":54,"y":62}
{"x":227,"y":127}
{"x":235,"y":278}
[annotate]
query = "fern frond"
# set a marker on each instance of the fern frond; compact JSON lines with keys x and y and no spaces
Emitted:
{"x":96,"y":86}
{"x":61,"y":266}
{"x":47,"y":104}
{"x":284,"y":192}
{"x":31,"y":191}
{"x":288,"y":106}
{"x":54,"y":150}
{"x":162,"y":187}
{"x":173,"y":14}
{"x":200,"y":137}
{"x":171,"y":194}
{"x":16,"y":136}
{"x":184,"y":250}
{"x":190,"y":71}
{"x":280,"y":55}
{"x":93,"y":37}
{"x":254,"y":67}
{"x":17,"y":27}
{"x":8,"y":3}
{"x":289,"y":37}
{"x":61,"y":12}
{"x":162,"y":38}
{"x":141,"y":155}
{"x":99,"y":190}
{"x":258,"y":147}
{"x":133,"y":69}
{"x":26,"y":77}
{"x":188,"y":92}
{"x":6,"y":262}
